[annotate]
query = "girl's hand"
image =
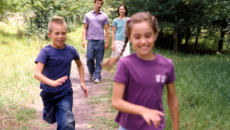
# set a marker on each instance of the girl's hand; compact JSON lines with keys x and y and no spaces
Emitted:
{"x":84,"y":88}
{"x":59,"y":81}
{"x":112,"y":47}
{"x":152,"y":115}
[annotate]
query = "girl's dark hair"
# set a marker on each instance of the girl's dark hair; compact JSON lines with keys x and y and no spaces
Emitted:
{"x":126,"y":13}
{"x":134,"y":19}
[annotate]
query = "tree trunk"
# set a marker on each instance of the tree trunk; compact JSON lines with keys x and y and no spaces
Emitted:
{"x":187,"y":38}
{"x":197,"y":35}
{"x":175,"y":42}
{"x":221,"y":41}
{"x":224,"y":24}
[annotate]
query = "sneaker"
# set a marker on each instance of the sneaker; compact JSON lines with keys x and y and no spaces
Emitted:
{"x":90,"y":76}
{"x":96,"y":81}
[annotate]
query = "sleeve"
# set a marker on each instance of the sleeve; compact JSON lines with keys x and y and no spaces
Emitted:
{"x":76,"y":55}
{"x":86,"y":20}
{"x":172,"y":75}
{"x":42,"y":56}
{"x":121,"y":75}
{"x":106,"y":20}
{"x":114,"y":23}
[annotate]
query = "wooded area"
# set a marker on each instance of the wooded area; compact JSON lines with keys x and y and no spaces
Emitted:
{"x":182,"y":22}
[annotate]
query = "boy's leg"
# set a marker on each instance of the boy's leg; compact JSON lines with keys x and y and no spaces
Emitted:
{"x":90,"y":56}
{"x":99,"y":58}
{"x":49,"y":103}
{"x":64,"y":115}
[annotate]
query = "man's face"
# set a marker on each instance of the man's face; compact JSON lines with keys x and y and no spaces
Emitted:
{"x":97,"y":5}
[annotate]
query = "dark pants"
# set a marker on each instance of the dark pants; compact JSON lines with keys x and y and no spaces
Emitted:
{"x":58,"y":108}
{"x":95,"y":50}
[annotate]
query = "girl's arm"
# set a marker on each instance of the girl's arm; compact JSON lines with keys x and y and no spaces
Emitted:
{"x":173,"y":105}
{"x":124,"y":106}
{"x":39,"y":76}
{"x":80,"y":68}
{"x":113,"y":37}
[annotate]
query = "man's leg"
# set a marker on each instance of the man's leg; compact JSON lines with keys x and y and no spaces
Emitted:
{"x":99,"y":58}
{"x":90,"y":56}
{"x":64,"y":116}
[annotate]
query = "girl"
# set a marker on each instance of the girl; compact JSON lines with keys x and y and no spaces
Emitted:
{"x":118,"y":28}
{"x":140,"y":79}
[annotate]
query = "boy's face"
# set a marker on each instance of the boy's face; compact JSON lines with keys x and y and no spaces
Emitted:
{"x":97,"y":5}
{"x":58,"y":36}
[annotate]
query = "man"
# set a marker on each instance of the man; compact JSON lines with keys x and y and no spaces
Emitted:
{"x":94,"y":23}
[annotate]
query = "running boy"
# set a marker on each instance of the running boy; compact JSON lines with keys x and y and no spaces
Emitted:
{"x":140,"y":79}
{"x":53,"y":71}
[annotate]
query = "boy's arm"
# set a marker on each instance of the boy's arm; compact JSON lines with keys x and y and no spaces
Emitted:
{"x":173,"y":105}
{"x":107,"y":36}
{"x":84,"y":34}
{"x":80,"y":68}
{"x":39,"y":76}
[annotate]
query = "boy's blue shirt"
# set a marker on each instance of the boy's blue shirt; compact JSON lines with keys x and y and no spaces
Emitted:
{"x":57,"y":63}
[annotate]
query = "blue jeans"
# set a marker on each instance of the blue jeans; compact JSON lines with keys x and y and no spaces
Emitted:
{"x":58,"y":108}
{"x":121,"y":128}
{"x":95,"y":50}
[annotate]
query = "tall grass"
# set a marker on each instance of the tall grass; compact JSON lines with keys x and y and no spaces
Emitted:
{"x":19,"y":91}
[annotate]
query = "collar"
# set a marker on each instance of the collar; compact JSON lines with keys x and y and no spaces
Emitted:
{"x":98,"y":12}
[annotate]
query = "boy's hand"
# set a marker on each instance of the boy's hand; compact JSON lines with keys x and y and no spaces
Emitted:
{"x":84,"y":88}
{"x":151,"y":115}
{"x":59,"y":81}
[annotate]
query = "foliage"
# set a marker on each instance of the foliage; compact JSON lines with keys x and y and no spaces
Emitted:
{"x":42,"y":12}
{"x":184,"y":16}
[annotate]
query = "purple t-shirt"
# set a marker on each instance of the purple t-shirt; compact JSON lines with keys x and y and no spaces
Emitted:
{"x":96,"y":24}
{"x":57,"y":63}
{"x":144,"y":82}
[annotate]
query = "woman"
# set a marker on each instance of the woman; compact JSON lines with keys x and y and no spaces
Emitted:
{"x":118,"y":29}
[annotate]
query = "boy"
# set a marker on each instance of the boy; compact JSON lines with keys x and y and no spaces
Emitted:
{"x":94,"y":23}
{"x":53,"y":71}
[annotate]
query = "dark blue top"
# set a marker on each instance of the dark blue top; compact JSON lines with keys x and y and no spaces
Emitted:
{"x":57,"y":63}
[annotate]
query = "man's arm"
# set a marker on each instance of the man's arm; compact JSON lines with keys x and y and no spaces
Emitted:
{"x":107,"y":36}
{"x":80,"y":68}
{"x":39,"y":76}
{"x":84,"y":34}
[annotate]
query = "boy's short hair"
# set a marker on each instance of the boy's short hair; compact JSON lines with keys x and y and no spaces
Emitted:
{"x":56,"y":20}
{"x":99,"y":0}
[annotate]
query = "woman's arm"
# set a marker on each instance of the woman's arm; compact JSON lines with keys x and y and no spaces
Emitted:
{"x":124,"y":106}
{"x":113,"y":37}
{"x":173,"y":105}
{"x":39,"y":76}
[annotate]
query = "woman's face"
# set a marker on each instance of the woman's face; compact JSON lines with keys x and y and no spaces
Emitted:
{"x":122,"y":10}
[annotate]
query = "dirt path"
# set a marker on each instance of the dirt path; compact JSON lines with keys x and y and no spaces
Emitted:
{"x":81,"y":109}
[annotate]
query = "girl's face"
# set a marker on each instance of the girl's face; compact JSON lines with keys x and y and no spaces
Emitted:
{"x":122,"y":10}
{"x":143,"y":39}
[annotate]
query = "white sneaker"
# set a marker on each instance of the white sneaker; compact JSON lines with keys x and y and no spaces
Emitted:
{"x":96,"y":81}
{"x":90,"y":76}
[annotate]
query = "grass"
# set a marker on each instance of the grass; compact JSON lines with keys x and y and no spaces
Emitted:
{"x":19,"y":91}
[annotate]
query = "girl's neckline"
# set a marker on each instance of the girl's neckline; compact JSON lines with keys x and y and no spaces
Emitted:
{"x":147,"y":61}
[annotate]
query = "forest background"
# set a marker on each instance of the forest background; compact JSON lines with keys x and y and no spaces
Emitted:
{"x":195,"y":34}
